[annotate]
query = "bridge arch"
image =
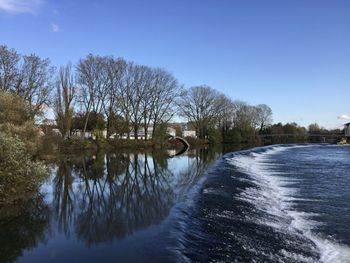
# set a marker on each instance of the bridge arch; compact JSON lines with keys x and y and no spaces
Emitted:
{"x":183,"y":141}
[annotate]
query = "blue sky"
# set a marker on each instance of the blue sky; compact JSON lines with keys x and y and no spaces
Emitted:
{"x":293,"y":55}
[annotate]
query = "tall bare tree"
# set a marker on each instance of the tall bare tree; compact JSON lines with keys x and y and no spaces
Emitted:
{"x":131,"y":92}
{"x":92,"y":84}
{"x":164,"y":95}
{"x":245,"y":116}
{"x":113,"y":70}
{"x":66,"y":92}
{"x":226,"y":115}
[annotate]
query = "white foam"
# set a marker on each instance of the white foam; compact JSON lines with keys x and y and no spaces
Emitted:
{"x":275,"y":196}
{"x":296,"y":257}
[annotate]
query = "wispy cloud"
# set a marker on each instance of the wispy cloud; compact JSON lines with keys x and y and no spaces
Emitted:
{"x":55,"y":28}
{"x":344,"y":117}
{"x":21,"y":6}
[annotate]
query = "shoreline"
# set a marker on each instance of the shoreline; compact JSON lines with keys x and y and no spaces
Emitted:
{"x":54,"y":146}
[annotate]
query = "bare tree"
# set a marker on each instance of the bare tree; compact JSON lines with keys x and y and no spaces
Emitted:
{"x":147,"y":101}
{"x":92,"y":83}
{"x":9,"y":60}
{"x":34,"y":83}
{"x":264,"y":116}
{"x":201,"y":105}
{"x":66,"y":91}
{"x":138,"y":95}
{"x":164,"y":95}
{"x":245,"y":116}
{"x":123,"y":92}
{"x":113,"y":70}
{"x":30,"y":77}
{"x":158,"y":105}
{"x":131,"y":92}
{"x":141,"y":78}
{"x":226,"y":114}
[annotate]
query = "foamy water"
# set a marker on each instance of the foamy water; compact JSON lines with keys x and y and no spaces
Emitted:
{"x":275,"y":195}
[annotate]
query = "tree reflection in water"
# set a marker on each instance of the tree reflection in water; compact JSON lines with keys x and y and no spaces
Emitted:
{"x":99,"y":198}
{"x":63,"y":196}
{"x":103,"y":197}
{"x":24,"y":230}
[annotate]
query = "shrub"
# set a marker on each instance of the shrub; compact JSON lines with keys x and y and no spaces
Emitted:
{"x":28,"y":133}
{"x":19,"y":175}
{"x":13,"y":109}
{"x":15,"y":121}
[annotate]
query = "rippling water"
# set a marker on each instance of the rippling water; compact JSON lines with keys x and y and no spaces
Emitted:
{"x":272,"y":204}
{"x":282,"y":203}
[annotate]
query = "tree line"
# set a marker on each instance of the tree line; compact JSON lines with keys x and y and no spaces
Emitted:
{"x":103,"y":92}
{"x":122,"y":97}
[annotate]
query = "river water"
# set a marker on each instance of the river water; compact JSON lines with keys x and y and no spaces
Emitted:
{"x":282,"y":203}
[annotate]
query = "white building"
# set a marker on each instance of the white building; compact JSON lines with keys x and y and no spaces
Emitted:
{"x":347,"y":129}
{"x":189,"y":133}
{"x":140,"y":134}
{"x":78,"y":133}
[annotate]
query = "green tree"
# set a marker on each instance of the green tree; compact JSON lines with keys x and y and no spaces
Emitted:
{"x":314,"y":128}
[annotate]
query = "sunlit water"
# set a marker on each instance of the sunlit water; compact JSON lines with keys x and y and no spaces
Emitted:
{"x":269,"y":204}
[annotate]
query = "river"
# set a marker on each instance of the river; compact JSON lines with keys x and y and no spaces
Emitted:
{"x":281,"y":203}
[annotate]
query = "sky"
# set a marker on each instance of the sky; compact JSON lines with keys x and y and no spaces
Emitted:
{"x":292,"y":55}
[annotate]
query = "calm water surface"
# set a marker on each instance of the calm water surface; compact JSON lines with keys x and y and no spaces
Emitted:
{"x":282,"y":203}
{"x":110,"y":207}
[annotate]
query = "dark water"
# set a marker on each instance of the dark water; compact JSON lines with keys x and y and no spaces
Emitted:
{"x":267,"y":204}
{"x":272,"y":204}
{"x":106,"y":208}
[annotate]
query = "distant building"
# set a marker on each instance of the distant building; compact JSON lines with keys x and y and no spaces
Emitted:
{"x":188,"y":130}
{"x":141,"y":135}
{"x":189,"y":133}
{"x":79,"y":133}
{"x":347,"y":129}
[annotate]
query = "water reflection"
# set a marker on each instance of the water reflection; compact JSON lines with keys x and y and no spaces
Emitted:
{"x":102,"y":197}
{"x":25,"y":229}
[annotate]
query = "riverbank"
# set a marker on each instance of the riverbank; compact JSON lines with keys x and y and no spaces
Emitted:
{"x":52,"y":145}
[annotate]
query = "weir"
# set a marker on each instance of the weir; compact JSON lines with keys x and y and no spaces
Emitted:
{"x":311,"y":137}
{"x":301,"y":135}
